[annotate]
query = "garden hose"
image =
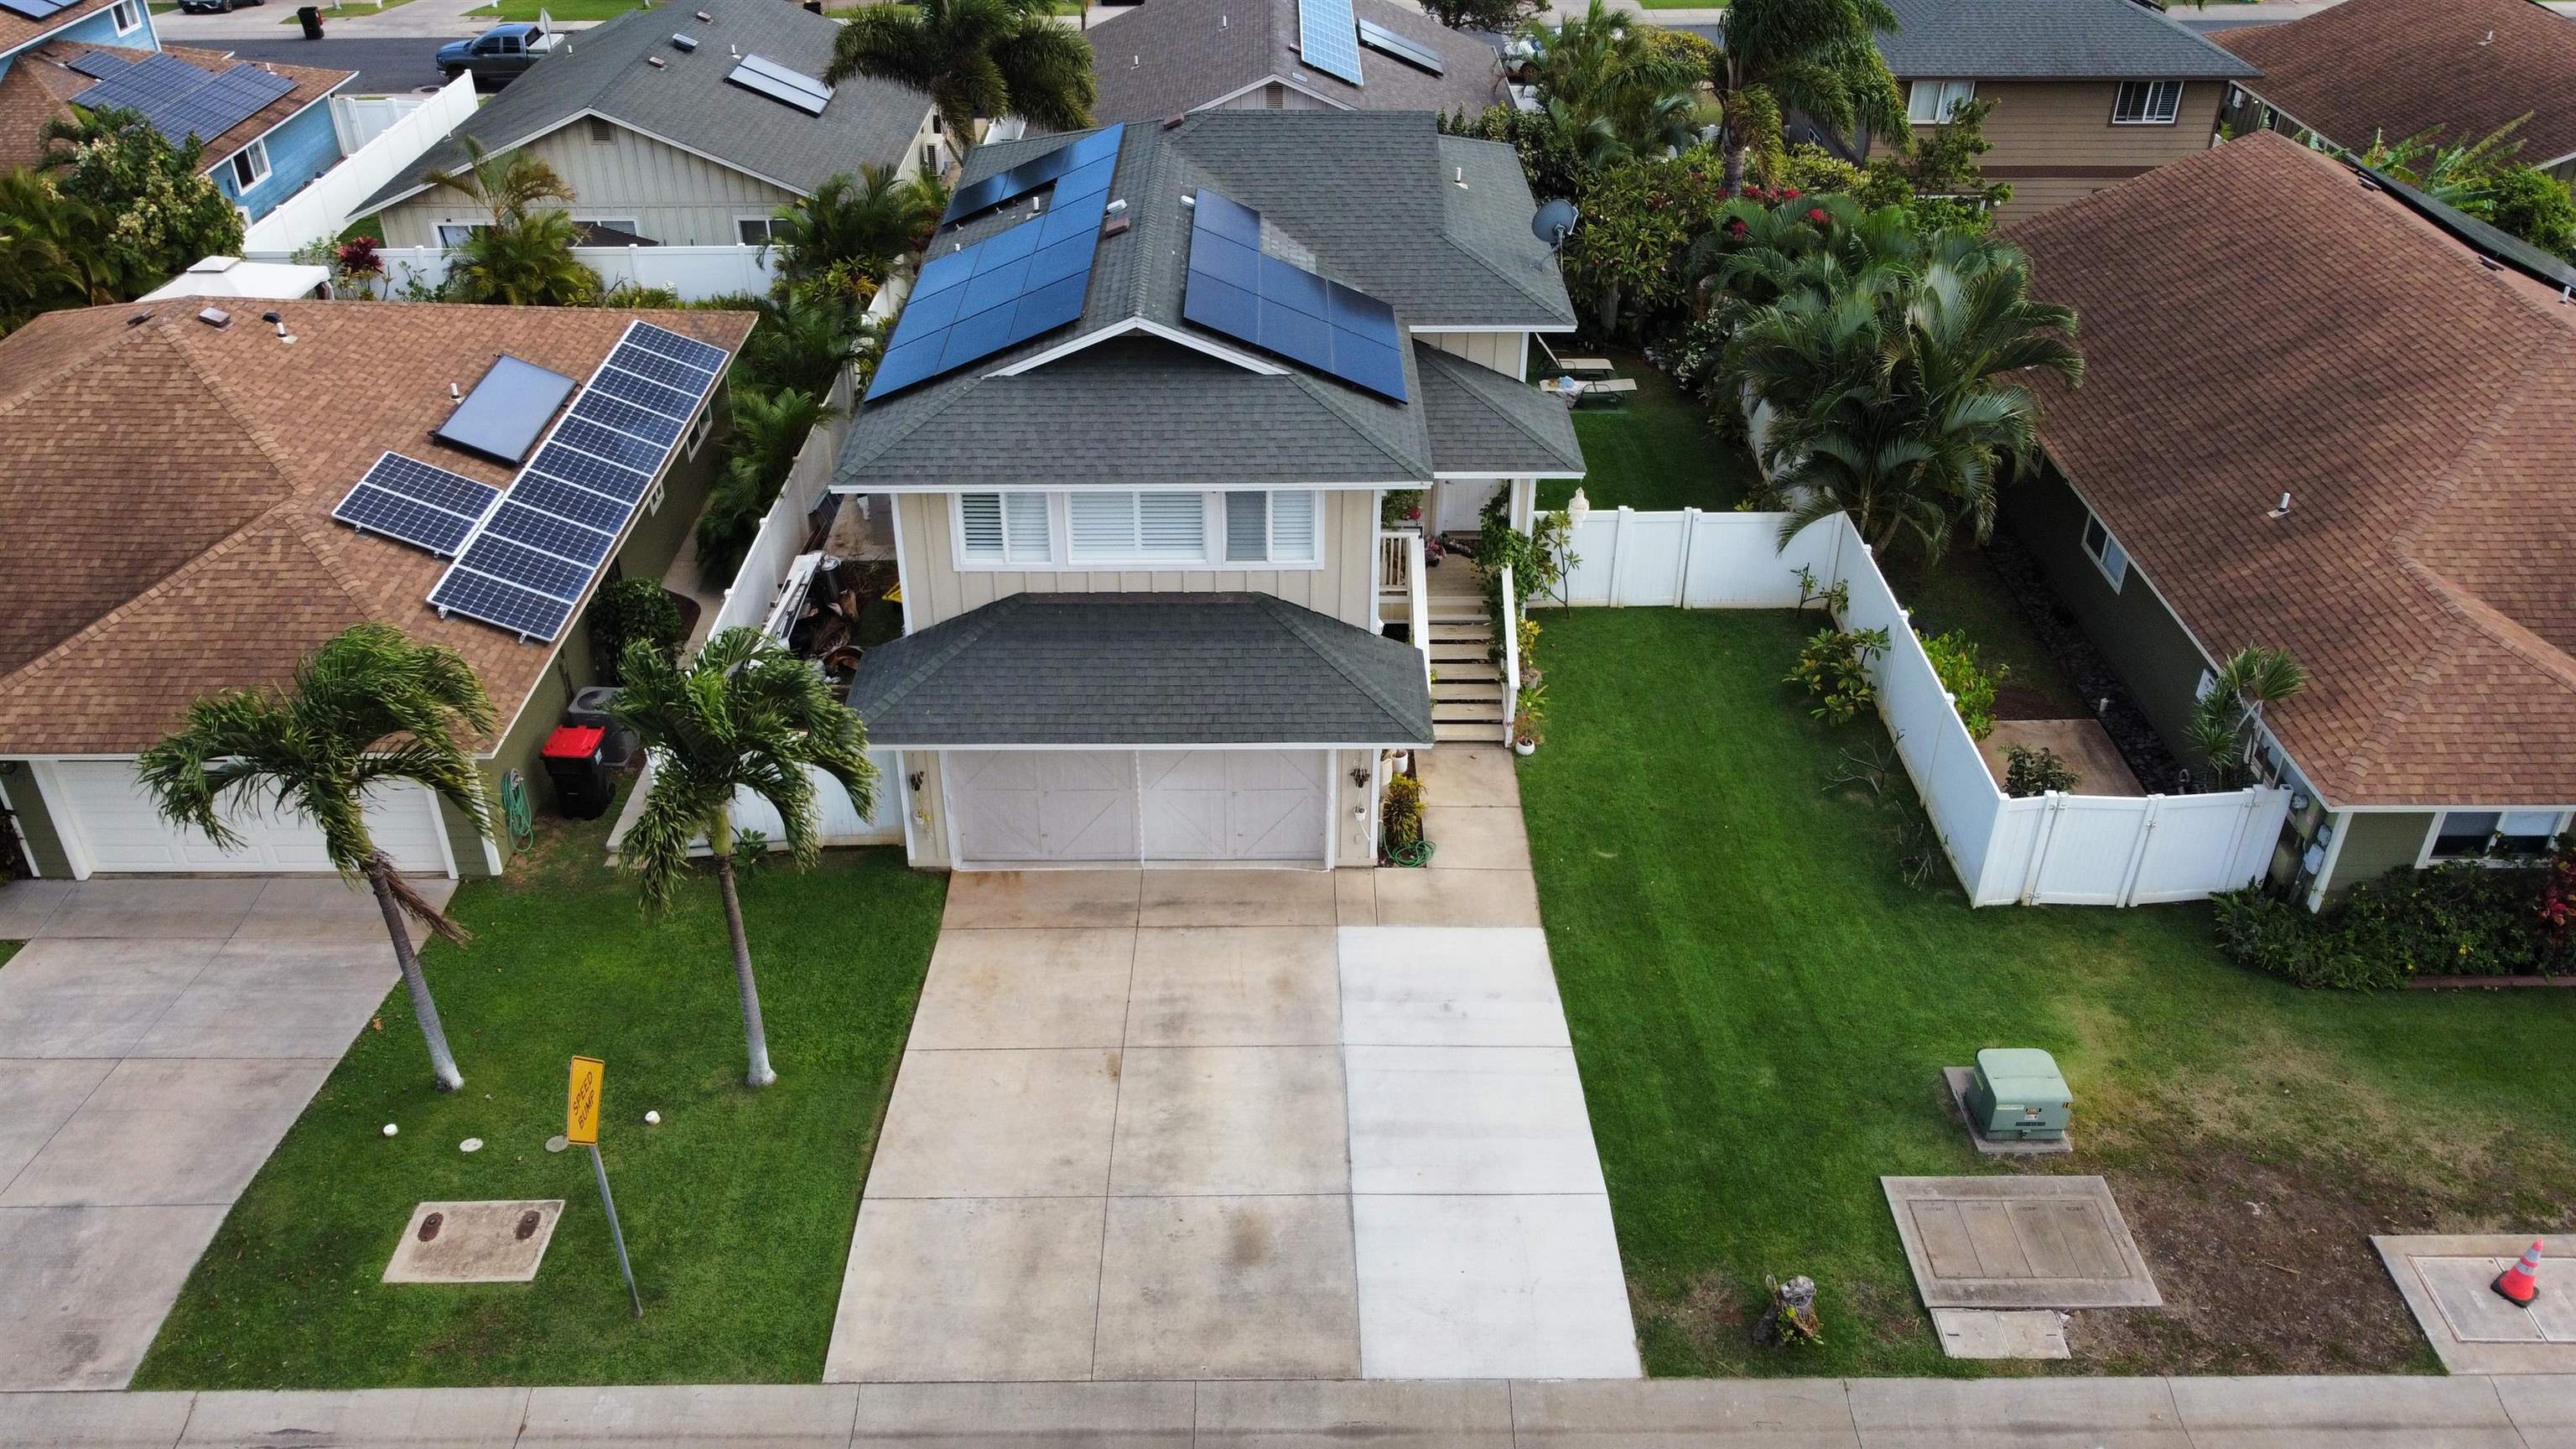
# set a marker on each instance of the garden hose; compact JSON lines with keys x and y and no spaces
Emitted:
{"x":516,"y":812}
{"x":1417,"y":854}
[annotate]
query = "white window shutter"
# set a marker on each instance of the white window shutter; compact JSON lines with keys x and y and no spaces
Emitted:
{"x":1172,"y":526}
{"x":1027,"y":520}
{"x":1103,"y":525}
{"x":980,"y":518}
{"x":1292,"y":527}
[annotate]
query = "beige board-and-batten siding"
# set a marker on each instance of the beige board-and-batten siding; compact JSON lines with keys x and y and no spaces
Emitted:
{"x":935,"y":588}
{"x":2054,"y":141}
{"x":1501,"y":351}
{"x":675,"y":197}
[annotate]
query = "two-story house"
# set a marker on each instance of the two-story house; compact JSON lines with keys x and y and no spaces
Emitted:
{"x":1137,"y":422}
{"x":1189,"y":55}
{"x":2087,"y":93}
{"x":266,"y":127}
{"x":677,"y":127}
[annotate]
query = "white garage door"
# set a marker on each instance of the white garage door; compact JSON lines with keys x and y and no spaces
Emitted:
{"x":1023,"y":807}
{"x":103,"y":804}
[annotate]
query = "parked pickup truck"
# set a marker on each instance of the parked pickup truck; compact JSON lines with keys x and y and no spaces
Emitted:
{"x":498,"y":55}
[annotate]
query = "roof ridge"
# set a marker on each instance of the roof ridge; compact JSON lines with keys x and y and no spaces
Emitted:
{"x":1287,"y":614}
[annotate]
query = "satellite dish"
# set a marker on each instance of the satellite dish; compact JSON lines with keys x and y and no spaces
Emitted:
{"x":1554,"y":222}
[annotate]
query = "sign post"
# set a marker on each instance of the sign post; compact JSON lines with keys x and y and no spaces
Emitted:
{"x":581,"y":1125}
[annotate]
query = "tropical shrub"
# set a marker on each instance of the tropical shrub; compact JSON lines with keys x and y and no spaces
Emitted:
{"x":2460,"y":919}
{"x":2531,"y":204}
{"x":1623,"y":263}
{"x":1547,"y":155}
{"x":769,"y":430}
{"x":1971,"y":689}
{"x":2029,"y":772}
{"x":630,"y":611}
{"x":1611,"y":87}
{"x":1818,"y":58}
{"x":1834,"y":666}
{"x":1496,"y":17}
{"x":1401,"y":814}
{"x":150,"y":211}
{"x":2224,"y":718}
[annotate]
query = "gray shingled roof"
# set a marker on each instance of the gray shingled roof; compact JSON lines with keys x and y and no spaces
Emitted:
{"x":2048,"y":40}
{"x":1179,"y":55}
{"x":1145,"y":410}
{"x":1142,"y":669}
{"x":1484,"y":422}
{"x":688,"y":101}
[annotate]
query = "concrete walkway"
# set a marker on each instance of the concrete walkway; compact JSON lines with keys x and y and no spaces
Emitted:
{"x":157,"y":1038}
{"x":1233,"y":1124}
{"x":2063,"y":1413}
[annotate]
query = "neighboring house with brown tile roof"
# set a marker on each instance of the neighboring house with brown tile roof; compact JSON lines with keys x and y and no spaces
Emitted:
{"x":1162,"y":59}
{"x":257,"y":163}
{"x":2087,"y":93}
{"x":182,"y":541}
{"x":2257,"y":322}
{"x":2396,"y":68}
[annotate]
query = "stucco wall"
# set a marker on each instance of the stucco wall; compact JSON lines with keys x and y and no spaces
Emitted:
{"x":934,"y":588}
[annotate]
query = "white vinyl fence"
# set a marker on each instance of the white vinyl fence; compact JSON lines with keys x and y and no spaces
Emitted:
{"x":2056,"y":849}
{"x":696,"y":273}
{"x":748,"y":602}
{"x":379,"y":136}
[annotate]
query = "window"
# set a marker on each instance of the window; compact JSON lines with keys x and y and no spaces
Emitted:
{"x":2147,"y":103}
{"x":2493,"y":835}
{"x":699,"y":426}
{"x":2105,"y":551}
{"x":1137,"y":527}
{"x":1270,"y":527}
{"x":1930,"y":102}
{"x":603,"y":131}
{"x":455,"y":233}
{"x":250,"y":165}
{"x":626,"y":224}
{"x":127,"y":16}
{"x":929,"y":158}
{"x":1004,"y":528}
{"x":752,"y":231}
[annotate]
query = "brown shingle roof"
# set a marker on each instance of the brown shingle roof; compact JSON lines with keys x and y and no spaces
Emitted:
{"x":2254,"y":323}
{"x":17,"y":30}
{"x":2396,"y":67}
{"x":170,"y":490}
{"x":1170,"y":56}
{"x":50,"y":66}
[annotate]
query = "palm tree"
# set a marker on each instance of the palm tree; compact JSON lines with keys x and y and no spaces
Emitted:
{"x":524,"y":260}
{"x":1817,"y":57}
{"x":371,"y":707}
{"x":1608,"y":89}
{"x":507,"y":185}
{"x":768,"y":431}
{"x":976,"y":58}
{"x":48,"y":250}
{"x":805,"y":340}
{"x":863,"y":223}
{"x":745,"y":715}
{"x":2255,"y":676}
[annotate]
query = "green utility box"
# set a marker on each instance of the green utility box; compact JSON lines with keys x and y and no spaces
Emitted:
{"x":2018,"y":1095}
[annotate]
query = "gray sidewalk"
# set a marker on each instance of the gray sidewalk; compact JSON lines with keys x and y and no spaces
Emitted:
{"x":2180,"y":1413}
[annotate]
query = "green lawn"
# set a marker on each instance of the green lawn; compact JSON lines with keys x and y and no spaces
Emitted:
{"x":1760,"y":1007}
{"x":1656,"y":453}
{"x":556,"y":9}
{"x":1963,"y":591}
{"x":9,"y":949}
{"x":737,"y":1208}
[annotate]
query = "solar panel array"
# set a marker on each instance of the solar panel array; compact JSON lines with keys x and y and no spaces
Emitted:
{"x":1328,"y":37}
{"x":1282,"y":308}
{"x":180,"y":100}
{"x":1003,"y":290}
{"x":99,"y":65}
{"x":789,"y":87}
{"x":36,"y":9}
{"x":1402,"y":47}
{"x":534,"y":555}
{"x":1100,"y":149}
{"x":419,"y":503}
{"x":502,"y":416}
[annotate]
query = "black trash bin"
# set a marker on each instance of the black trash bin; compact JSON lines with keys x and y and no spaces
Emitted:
{"x":580,"y":776}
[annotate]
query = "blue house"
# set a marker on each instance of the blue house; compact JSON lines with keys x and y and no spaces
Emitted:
{"x":271,"y":124}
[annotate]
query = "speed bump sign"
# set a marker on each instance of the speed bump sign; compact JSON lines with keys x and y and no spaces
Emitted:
{"x":581,"y":1104}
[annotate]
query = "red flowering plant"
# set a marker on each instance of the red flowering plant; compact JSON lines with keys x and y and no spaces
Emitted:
{"x":357,"y":258}
{"x":2558,"y":898}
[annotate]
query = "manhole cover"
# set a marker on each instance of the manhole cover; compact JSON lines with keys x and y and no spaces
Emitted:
{"x":474,"y":1242}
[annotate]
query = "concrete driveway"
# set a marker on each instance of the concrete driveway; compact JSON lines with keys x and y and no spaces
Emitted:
{"x":157,"y":1038}
{"x":1240,"y":1125}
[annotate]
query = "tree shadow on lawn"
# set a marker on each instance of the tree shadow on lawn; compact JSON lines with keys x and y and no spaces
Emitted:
{"x":1761,"y":1007}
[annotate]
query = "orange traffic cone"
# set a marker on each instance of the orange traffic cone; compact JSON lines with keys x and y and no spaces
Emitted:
{"x":2521,"y":1282}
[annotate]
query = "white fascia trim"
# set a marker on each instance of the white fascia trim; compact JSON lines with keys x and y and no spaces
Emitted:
{"x":281,"y":121}
{"x":1243,"y":360}
{"x":1191,"y":745}
{"x":1016,"y":486}
{"x":1273,"y":79}
{"x":1513,"y":327}
{"x":1489,"y":477}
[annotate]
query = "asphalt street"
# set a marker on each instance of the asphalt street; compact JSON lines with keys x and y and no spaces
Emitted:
{"x":385,"y":66}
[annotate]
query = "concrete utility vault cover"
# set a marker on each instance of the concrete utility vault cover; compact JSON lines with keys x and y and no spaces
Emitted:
{"x":474,"y":1242}
{"x":2448,"y":1281}
{"x":2018,"y":1242}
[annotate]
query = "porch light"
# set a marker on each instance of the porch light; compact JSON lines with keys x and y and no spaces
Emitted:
{"x":1577,"y":508}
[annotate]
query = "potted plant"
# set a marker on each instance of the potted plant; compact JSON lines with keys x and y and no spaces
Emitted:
{"x":1529,"y":714}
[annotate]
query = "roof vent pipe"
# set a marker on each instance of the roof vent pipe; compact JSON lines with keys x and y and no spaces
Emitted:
{"x":454,"y":393}
{"x":1458,"y":177}
{"x":2283,"y":510}
{"x":705,"y":19}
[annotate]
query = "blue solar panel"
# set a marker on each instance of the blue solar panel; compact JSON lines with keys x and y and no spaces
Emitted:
{"x":35,"y":9}
{"x":180,"y":100}
{"x":99,"y":65}
{"x":502,"y":416}
{"x":1328,"y":37}
{"x":1099,"y":149}
{"x":406,"y":499}
{"x":1285,"y":309}
{"x":534,"y":556}
{"x":1002,"y":291}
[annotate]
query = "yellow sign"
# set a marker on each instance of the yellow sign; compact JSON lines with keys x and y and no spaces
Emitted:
{"x":581,"y":1107}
